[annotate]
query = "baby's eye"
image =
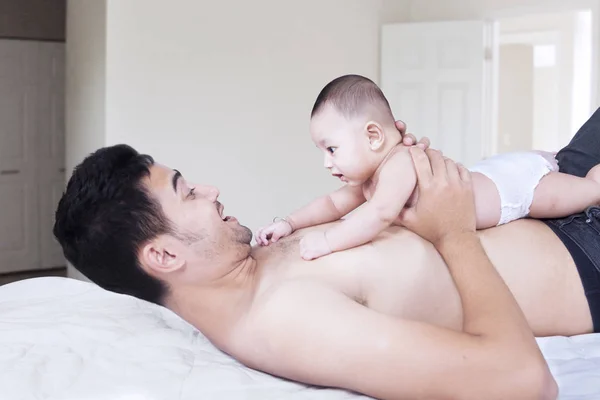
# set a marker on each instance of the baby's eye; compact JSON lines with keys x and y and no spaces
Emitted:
{"x":191,"y":193}
{"x":331,"y":149}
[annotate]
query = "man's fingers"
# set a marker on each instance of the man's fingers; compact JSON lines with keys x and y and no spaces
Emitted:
{"x":424,"y":143}
{"x":422,"y":166}
{"x":407,"y":217}
{"x":452,"y":168}
{"x":465,"y":174}
{"x":401,"y":126}
{"x":438,"y":166}
{"x":409,"y":139}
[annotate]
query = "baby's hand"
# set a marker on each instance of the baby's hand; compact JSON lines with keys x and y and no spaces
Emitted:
{"x":273,"y":232}
{"x":314,"y":245}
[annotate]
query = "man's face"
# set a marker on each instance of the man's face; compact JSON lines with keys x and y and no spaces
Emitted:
{"x":197,"y":216}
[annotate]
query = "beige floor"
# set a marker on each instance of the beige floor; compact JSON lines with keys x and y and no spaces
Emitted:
{"x":17,"y":276}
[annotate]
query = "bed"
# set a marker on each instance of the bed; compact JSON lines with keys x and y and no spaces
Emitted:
{"x":64,"y":339}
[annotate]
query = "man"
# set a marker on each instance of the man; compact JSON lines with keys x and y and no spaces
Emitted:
{"x":383,"y":319}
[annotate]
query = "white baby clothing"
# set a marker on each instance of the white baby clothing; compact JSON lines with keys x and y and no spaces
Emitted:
{"x":516,"y":176}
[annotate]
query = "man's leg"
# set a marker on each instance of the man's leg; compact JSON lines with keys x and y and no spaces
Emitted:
{"x":583,"y":152}
{"x":579,"y":232}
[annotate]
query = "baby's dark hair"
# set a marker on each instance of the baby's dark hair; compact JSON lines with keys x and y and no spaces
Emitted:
{"x":352,"y":95}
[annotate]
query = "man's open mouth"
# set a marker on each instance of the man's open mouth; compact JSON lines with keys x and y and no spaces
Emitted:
{"x":220,"y":209}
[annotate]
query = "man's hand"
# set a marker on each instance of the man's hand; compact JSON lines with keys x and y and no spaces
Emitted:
{"x":445,"y":205}
{"x":314,"y":245}
{"x":273,"y":232}
{"x":496,"y":352}
{"x":408,"y":139}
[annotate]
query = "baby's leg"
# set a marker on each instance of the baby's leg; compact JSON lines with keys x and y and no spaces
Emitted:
{"x":594,"y":174}
{"x":487,"y":201}
{"x":559,"y":194}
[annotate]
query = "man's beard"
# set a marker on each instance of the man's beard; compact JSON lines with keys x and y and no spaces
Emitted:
{"x":243,"y":235}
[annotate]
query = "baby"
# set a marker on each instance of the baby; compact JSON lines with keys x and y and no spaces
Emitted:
{"x":352,"y":123}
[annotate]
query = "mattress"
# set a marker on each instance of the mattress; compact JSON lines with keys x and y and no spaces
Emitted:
{"x":64,"y":339}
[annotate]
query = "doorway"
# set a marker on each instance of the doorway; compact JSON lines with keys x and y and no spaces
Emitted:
{"x":545,"y":79}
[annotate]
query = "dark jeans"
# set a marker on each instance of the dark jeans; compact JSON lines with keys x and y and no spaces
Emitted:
{"x":580,"y":233}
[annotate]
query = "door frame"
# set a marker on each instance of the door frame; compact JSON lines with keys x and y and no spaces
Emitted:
{"x":557,"y":6}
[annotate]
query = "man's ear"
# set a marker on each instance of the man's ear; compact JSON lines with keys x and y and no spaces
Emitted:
{"x":162,"y":256}
{"x":375,"y":135}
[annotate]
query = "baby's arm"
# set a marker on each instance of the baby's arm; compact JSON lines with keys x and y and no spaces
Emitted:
{"x":324,"y":209}
{"x":396,"y":183}
{"x":327,"y":208}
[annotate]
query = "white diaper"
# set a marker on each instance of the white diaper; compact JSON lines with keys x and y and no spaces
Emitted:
{"x":516,"y":176}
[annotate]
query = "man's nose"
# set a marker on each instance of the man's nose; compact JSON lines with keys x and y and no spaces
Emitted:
{"x":210,"y":192}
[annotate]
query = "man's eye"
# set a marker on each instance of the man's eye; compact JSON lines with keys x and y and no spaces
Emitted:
{"x":191,"y":193}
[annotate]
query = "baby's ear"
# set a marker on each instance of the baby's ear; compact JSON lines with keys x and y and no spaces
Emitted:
{"x":375,"y":135}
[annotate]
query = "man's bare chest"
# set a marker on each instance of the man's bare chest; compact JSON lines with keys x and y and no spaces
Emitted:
{"x":408,"y":284}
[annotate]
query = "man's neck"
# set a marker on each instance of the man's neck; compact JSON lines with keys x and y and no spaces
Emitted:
{"x":216,"y":306}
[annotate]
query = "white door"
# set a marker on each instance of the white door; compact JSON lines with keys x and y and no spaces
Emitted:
{"x":439,"y":78}
{"x":50,"y":89}
{"x":18,"y":186}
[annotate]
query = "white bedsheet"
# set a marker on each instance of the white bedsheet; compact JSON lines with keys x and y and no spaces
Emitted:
{"x":64,"y":339}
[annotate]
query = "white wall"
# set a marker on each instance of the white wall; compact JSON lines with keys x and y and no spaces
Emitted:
{"x":431,"y":10}
{"x":546,"y":100}
{"x":515,"y":103}
{"x":85,"y":83}
{"x":222,"y":90}
{"x":394,"y":11}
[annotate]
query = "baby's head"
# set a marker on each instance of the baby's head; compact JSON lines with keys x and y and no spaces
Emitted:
{"x":353,"y":124}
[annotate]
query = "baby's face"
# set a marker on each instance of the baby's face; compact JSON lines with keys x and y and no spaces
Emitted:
{"x":345,"y":146}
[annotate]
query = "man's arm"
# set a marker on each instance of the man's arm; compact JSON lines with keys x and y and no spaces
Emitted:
{"x":445,"y":216}
{"x":319,"y":336}
{"x":396,"y":183}
{"x":327,"y":208}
